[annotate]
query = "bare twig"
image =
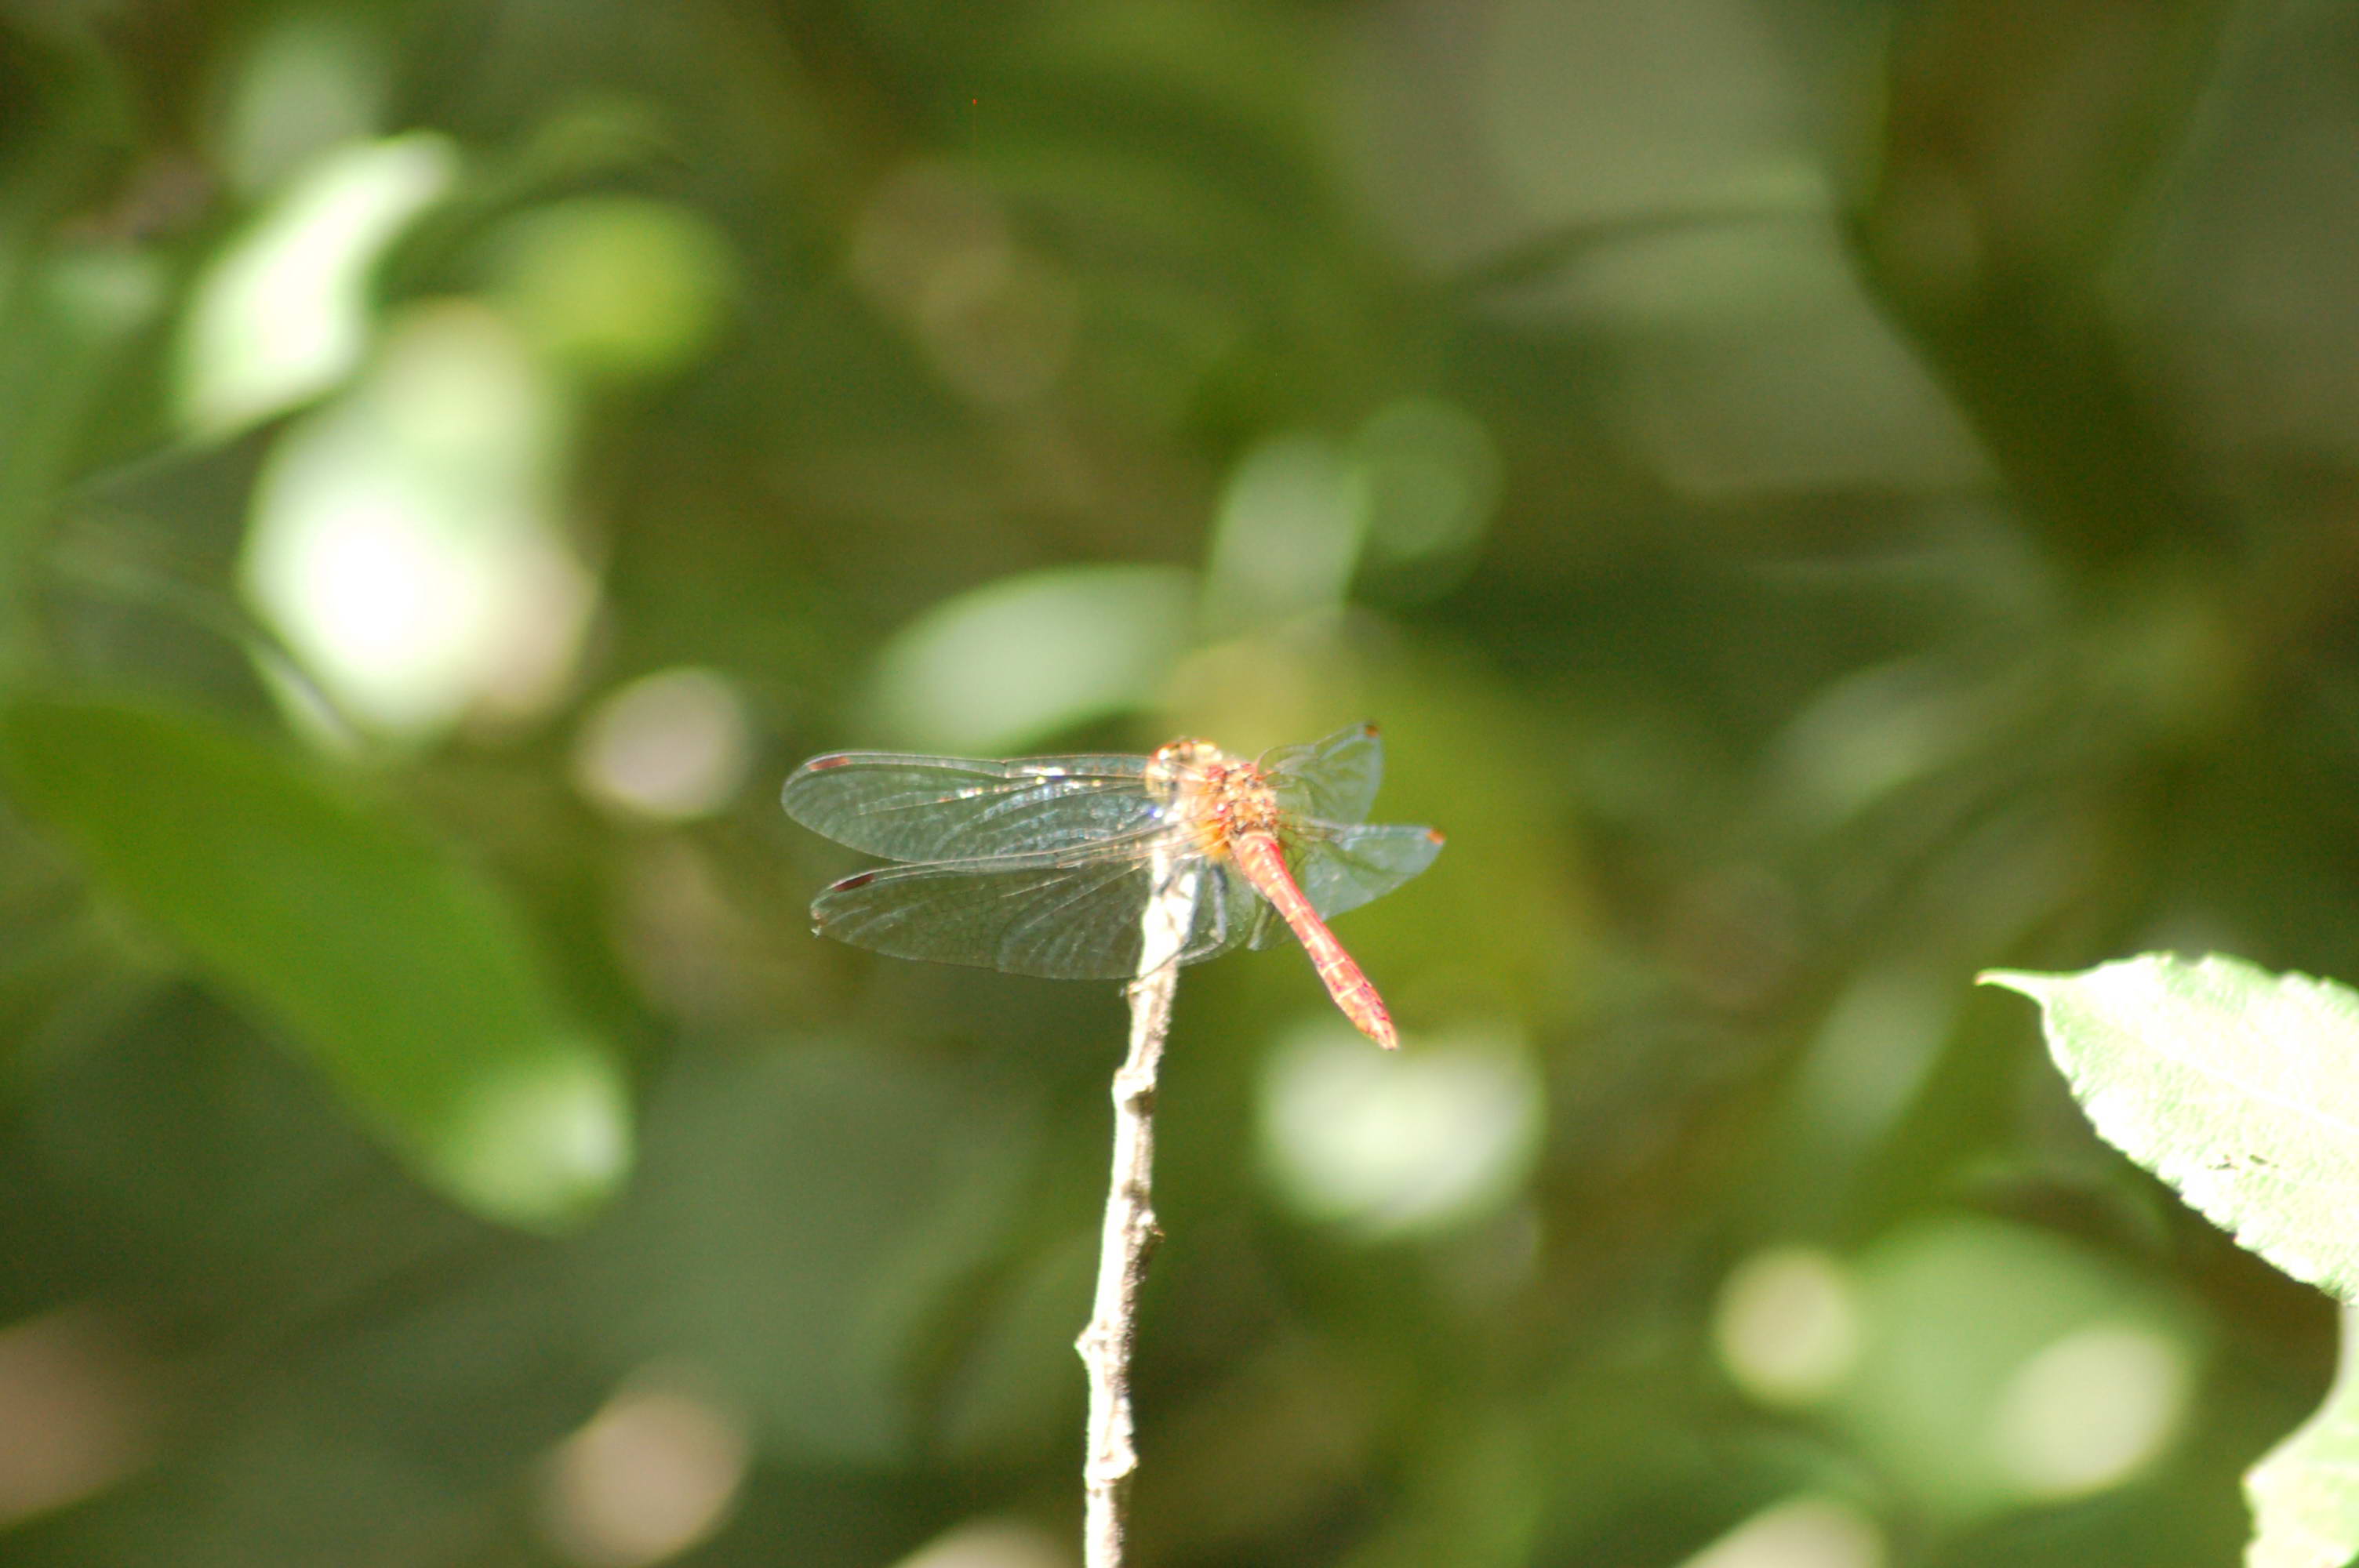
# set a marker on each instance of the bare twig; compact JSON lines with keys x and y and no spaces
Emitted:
{"x":1129,"y":1234}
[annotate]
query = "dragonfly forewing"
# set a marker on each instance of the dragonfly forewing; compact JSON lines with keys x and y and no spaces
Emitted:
{"x":909,"y":807}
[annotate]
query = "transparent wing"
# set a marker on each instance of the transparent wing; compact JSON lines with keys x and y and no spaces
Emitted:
{"x":1333,"y":780}
{"x":1339,"y":868}
{"x":1229,"y":913}
{"x":1253,"y":920}
{"x":1032,"y":915}
{"x":952,"y":808}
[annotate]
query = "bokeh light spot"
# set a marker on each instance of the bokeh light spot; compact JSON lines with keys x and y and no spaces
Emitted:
{"x":78,"y":1410}
{"x":2091,"y":1409}
{"x":548,"y":1138}
{"x":1788,"y":1325}
{"x":672,"y":745}
{"x":652,"y":1474}
{"x":403,"y":542}
{"x":615,"y":286}
{"x":1388,"y":1145}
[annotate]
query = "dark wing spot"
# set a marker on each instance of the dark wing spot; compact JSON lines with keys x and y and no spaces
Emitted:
{"x":1433,"y":836}
{"x":833,"y":760}
{"x":859,"y":879}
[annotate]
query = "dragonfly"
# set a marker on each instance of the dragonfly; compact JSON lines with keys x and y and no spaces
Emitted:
{"x":1046,"y":865}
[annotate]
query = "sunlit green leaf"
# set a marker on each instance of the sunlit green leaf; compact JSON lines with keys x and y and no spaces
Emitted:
{"x":2305,"y":1509}
{"x":2238,"y":1087}
{"x":996,"y":669}
{"x":282,"y":314}
{"x":401,"y":973}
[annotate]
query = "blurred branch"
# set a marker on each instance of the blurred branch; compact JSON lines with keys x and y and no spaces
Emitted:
{"x":1129,"y":1238}
{"x":2021,"y":141}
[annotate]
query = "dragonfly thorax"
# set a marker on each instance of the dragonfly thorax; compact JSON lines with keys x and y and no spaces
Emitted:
{"x":1216,"y":798}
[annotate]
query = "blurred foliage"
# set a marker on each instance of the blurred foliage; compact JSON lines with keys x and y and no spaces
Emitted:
{"x":1823,"y":498}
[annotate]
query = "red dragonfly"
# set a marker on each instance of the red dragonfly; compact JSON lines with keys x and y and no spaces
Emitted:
{"x":1045,"y":865}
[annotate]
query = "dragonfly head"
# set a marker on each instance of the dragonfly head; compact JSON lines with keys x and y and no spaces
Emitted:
{"x":1181,"y":762}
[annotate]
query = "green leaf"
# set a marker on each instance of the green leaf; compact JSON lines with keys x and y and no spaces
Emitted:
{"x":994,"y":669}
{"x":2238,"y":1087}
{"x":2305,"y":1509}
{"x":404,"y":975}
{"x":2241,"y":1089}
{"x":817,"y":1214}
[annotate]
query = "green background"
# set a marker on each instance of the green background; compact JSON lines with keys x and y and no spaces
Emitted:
{"x":1822,"y":498}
